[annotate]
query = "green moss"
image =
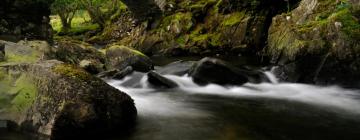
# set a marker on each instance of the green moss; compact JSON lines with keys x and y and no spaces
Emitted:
{"x":201,"y":5}
{"x":119,"y":47}
{"x":180,"y":19}
{"x":72,"y":72}
{"x":233,"y":19}
{"x":17,"y":92}
{"x":26,"y":92}
{"x":350,"y":24}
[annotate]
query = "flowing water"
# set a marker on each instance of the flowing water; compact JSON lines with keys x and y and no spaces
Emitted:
{"x":266,"y":111}
{"x":253,"y":111}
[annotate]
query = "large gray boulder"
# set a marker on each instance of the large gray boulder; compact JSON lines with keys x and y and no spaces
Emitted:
{"x":62,"y":101}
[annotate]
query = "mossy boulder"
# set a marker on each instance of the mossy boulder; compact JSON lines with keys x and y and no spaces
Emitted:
{"x":120,"y":57}
{"x":62,"y":101}
{"x":25,"y":51}
{"x":81,"y":54}
{"x":318,"y":42}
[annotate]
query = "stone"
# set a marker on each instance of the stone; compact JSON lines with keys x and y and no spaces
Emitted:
{"x":178,"y":68}
{"x":120,"y":57}
{"x":81,"y":54}
{"x":211,"y":70}
{"x":62,"y":101}
{"x":159,"y":81}
{"x":317,"y":49}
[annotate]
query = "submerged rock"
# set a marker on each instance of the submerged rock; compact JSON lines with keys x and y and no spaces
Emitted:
{"x":59,"y":100}
{"x":318,"y":42}
{"x":157,"y":80}
{"x":120,"y":57}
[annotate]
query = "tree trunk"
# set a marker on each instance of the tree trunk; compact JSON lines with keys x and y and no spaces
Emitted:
{"x":66,"y":25}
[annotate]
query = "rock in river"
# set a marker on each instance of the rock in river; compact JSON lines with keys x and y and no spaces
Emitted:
{"x":120,"y":57}
{"x":212,"y":70}
{"x":160,"y":81}
{"x":59,"y":100}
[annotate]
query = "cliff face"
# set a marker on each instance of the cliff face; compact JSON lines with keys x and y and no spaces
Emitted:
{"x":21,"y":19}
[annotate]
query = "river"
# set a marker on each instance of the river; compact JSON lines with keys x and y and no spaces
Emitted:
{"x":266,"y":111}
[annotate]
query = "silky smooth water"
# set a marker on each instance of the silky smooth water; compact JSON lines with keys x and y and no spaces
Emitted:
{"x":266,"y":111}
{"x":253,"y":111}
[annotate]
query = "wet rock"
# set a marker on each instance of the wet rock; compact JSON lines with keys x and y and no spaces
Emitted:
{"x":211,"y":70}
{"x":310,"y":50}
{"x":157,"y":80}
{"x":178,"y":68}
{"x":116,"y":74}
{"x":59,"y":100}
{"x":121,"y":74}
{"x":120,"y":57}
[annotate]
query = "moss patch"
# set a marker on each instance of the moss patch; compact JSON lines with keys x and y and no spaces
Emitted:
{"x":17,"y":92}
{"x":72,"y":72}
{"x":233,"y":19}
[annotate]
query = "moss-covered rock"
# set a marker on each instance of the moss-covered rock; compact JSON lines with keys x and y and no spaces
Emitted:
{"x":120,"y":57}
{"x":318,"y":42}
{"x":25,"y":51}
{"x":81,"y":54}
{"x":61,"y":101}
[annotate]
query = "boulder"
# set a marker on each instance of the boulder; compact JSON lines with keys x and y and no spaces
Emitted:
{"x":120,"y":57}
{"x":178,"y":68}
{"x":211,"y":70}
{"x":25,"y":51}
{"x":79,"y":53}
{"x":116,"y":74}
{"x":62,"y":101}
{"x":318,"y":42}
{"x":25,"y":19}
{"x":157,"y":80}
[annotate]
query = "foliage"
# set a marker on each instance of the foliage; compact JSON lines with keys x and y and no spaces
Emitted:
{"x":66,"y":10}
{"x":101,"y":11}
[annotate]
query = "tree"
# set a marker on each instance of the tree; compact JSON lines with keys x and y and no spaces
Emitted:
{"x":100,"y":10}
{"x":66,"y":9}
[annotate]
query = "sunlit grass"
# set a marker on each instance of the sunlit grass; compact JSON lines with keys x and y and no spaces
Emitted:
{"x":81,"y":23}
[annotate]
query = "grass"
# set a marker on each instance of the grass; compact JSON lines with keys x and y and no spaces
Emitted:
{"x":81,"y":23}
